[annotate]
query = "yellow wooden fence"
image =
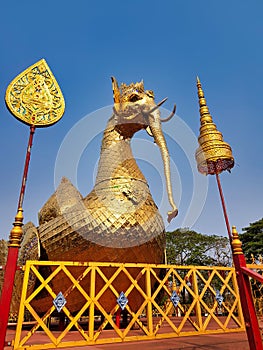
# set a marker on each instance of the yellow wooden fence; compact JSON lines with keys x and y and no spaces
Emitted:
{"x":159,"y":301}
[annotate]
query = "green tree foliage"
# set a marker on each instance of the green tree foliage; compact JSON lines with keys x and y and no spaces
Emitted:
{"x":252,"y":239}
{"x":187,"y":247}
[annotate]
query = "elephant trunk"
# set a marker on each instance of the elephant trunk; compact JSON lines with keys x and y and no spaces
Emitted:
{"x":156,"y":130}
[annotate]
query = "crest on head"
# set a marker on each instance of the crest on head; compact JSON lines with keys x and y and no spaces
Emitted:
{"x":129,"y":93}
{"x":126,"y":97}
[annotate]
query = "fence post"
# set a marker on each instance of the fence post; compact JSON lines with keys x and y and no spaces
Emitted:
{"x":92,"y":305}
{"x":149,"y":302}
{"x":196,"y":299}
{"x":249,"y":313}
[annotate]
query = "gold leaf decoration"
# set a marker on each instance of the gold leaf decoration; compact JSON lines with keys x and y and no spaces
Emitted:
{"x":34,"y":96}
{"x":213,"y":155}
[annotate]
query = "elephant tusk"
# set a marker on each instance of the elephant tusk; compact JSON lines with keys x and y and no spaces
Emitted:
{"x":157,"y":106}
{"x":130,"y":117}
{"x":170,"y":116}
{"x":147,"y":113}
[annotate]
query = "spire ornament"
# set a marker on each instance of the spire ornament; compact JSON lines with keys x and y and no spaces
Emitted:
{"x":213,"y":155}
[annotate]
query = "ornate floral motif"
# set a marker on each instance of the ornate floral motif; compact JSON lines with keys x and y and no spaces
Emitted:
{"x":34,"y":96}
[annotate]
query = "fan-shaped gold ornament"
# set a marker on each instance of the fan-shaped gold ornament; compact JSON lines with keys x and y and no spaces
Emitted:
{"x":214,"y":155}
{"x":34,"y":96}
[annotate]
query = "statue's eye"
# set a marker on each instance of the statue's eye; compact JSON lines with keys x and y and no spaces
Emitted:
{"x":149,"y":93}
{"x":134,"y":98}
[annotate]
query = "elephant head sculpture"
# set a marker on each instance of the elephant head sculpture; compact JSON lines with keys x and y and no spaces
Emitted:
{"x":135,"y":107}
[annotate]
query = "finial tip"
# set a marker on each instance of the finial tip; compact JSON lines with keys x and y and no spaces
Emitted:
{"x":234,"y":231}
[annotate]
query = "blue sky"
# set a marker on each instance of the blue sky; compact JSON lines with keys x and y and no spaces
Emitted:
{"x":167,"y":44}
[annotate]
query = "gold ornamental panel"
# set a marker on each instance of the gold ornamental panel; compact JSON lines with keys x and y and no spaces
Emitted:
{"x":34,"y":96}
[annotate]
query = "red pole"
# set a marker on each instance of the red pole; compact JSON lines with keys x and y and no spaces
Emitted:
{"x":248,"y":308}
{"x":28,"y":154}
{"x":13,"y":249}
{"x":246,"y":298}
{"x":118,"y":318}
{"x":224,"y":206}
{"x":9,"y":276}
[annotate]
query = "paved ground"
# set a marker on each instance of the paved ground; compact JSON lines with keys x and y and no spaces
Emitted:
{"x":206,"y":342}
{"x":227,"y":341}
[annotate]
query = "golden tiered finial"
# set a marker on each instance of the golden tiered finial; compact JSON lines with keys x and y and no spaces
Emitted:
{"x":236,"y":243}
{"x":17,"y":231}
{"x":214,"y":155}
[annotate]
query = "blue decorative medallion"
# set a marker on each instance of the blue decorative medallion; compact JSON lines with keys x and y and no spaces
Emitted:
{"x":175,"y":298}
{"x":122,"y":301}
{"x":59,"y":302}
{"x":219,"y":298}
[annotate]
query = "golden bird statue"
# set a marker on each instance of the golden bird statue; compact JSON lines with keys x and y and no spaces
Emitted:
{"x":118,"y":221}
